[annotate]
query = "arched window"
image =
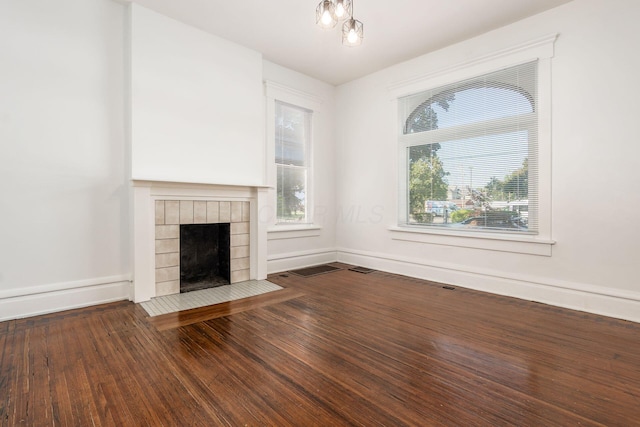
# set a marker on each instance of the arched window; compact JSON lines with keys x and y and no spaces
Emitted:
{"x":471,"y":153}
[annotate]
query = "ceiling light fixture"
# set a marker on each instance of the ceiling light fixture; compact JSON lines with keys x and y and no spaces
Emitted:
{"x":343,"y":9}
{"x":326,"y":14}
{"x":352,"y":32}
{"x":329,"y":12}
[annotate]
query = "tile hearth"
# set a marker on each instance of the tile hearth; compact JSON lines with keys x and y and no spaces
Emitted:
{"x":185,"y":301}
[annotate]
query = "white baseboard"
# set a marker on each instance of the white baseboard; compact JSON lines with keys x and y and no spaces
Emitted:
{"x":36,"y":300}
{"x":576,"y":296}
{"x":292,"y":261}
{"x":33,"y":301}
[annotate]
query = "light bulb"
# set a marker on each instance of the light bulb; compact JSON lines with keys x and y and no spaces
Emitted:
{"x":339,"y":10}
{"x":353,"y":36}
{"x":326,"y":17}
{"x":326,"y":14}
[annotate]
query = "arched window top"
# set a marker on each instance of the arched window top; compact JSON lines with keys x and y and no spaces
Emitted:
{"x":501,"y":95}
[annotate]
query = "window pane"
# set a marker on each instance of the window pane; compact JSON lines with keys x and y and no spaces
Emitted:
{"x":471,"y":152}
{"x":292,"y":145}
{"x":292,"y":130}
{"x":472,"y":183}
{"x":291,"y":193}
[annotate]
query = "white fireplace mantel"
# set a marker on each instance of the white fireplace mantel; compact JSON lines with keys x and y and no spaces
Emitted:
{"x":145,"y":194}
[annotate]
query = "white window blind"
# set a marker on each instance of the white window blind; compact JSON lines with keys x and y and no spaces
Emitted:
{"x":471,"y":151}
{"x":292,"y":146}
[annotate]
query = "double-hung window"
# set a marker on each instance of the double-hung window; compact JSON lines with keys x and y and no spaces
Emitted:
{"x":470,"y":154}
{"x":292,"y":148}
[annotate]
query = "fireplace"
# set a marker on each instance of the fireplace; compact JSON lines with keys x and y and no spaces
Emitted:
{"x":160,"y":208}
{"x":173,"y":217}
{"x":204,"y":256}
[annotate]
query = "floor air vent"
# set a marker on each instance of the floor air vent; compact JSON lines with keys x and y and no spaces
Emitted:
{"x":314,"y":271}
{"x":363,"y":270}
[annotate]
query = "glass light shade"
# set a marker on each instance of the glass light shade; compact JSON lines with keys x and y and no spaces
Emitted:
{"x":344,"y":8}
{"x":326,"y":14}
{"x":352,"y":32}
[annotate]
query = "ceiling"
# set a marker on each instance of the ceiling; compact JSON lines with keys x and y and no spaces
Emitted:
{"x":284,"y":31}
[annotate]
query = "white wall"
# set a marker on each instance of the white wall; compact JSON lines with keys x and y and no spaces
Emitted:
{"x":594,"y":153}
{"x":63,"y":181}
{"x":315,"y":245}
{"x":196,"y":105}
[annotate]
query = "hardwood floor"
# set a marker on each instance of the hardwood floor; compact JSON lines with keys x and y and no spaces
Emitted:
{"x":341,"y":348}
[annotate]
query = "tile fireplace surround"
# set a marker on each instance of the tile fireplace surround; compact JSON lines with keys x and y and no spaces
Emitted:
{"x":171,"y":214}
{"x":160,"y":207}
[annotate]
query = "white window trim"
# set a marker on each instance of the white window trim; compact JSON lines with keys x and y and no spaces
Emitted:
{"x":541,"y":49}
{"x":288,"y":231}
{"x":278,"y":92}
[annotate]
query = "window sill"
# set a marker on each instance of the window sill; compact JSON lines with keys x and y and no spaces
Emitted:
{"x":530,"y":245}
{"x":279,"y":232}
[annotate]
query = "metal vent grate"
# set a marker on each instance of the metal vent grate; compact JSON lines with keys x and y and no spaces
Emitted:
{"x":363,"y":270}
{"x":313,"y":271}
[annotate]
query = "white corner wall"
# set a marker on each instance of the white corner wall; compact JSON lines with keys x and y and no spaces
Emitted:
{"x":63,"y":179}
{"x":314,"y":245}
{"x":594,"y":159}
{"x":196,"y":104}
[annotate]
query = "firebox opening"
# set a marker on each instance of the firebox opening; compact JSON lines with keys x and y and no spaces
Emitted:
{"x":204,"y":256}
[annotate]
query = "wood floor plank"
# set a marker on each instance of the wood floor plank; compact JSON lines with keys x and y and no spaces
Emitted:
{"x":383,"y":369}
{"x":338,"y":349}
{"x":490,"y":361}
{"x":7,"y":350}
